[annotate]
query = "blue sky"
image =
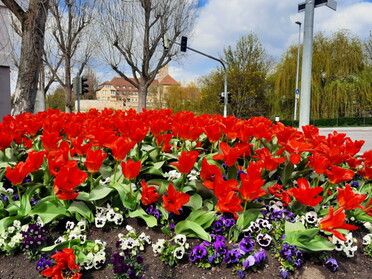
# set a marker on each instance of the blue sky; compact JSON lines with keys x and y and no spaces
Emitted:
{"x":221,"y":23}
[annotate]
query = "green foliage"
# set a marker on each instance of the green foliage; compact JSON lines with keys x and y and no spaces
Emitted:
{"x":247,"y":68}
{"x":306,"y":239}
{"x":341,"y":78}
{"x":56,"y":100}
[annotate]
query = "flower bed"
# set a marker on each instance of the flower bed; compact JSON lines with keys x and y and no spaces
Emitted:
{"x":223,"y":191}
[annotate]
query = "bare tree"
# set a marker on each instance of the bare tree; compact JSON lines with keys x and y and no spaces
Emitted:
{"x":70,"y":45}
{"x":133,"y":31}
{"x":32,"y":17}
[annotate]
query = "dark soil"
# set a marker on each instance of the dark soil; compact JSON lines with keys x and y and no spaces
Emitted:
{"x":359,"y":267}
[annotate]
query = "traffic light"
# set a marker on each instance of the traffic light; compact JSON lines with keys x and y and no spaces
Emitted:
{"x":222,"y":98}
{"x":76,"y":85}
{"x":228,"y":97}
{"x":84,"y":85}
{"x":183,"y":43}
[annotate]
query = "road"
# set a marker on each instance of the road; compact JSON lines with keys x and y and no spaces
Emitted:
{"x":355,"y":133}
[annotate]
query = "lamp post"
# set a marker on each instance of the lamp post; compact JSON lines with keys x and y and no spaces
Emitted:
{"x":297,"y":92}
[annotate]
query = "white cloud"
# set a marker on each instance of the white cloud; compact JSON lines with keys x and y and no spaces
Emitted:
{"x":221,"y":23}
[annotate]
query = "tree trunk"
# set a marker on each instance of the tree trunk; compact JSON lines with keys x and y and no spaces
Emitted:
{"x":33,"y":27}
{"x":68,"y":88}
{"x":142,"y":95}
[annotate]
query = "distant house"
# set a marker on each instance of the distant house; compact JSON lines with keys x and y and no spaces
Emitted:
{"x":120,"y":93}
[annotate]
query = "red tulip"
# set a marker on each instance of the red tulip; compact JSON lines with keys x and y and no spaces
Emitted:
{"x":35,"y":159}
{"x":186,"y":161}
{"x":18,"y":173}
{"x":65,"y":266}
{"x":130,"y":168}
{"x":306,"y":195}
{"x":230,"y":155}
{"x":336,"y":220}
{"x":229,"y":203}
{"x":174,"y":200}
{"x":278,"y":191}
{"x":251,"y":187}
{"x":94,"y":160}
{"x":66,"y":181}
{"x":270,"y":162}
{"x":50,"y":140}
{"x":348,"y":199}
{"x":121,"y":147}
{"x":209,"y":171}
{"x":337,"y":174}
{"x":149,"y":194}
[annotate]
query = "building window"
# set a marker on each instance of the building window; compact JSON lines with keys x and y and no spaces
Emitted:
{"x":130,"y":87}
{"x":103,"y":98}
{"x":108,"y":98}
{"x":136,"y":100}
{"x":98,"y":98}
{"x":118,"y":86}
{"x":113,"y":92}
{"x":104,"y":92}
{"x":108,"y":86}
{"x":124,"y":86}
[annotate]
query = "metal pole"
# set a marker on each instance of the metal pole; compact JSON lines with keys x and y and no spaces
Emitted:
{"x":297,"y":93}
{"x":225,"y":74}
{"x":307,"y":52}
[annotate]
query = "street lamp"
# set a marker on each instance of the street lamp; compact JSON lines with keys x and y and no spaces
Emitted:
{"x":297,"y":93}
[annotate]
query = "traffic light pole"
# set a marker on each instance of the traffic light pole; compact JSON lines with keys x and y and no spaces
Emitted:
{"x":225,"y":74}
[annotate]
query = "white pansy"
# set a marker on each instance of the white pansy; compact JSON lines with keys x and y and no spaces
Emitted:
{"x":349,"y":251}
{"x":339,"y":244}
{"x":70,"y":225}
{"x":263,"y":240}
{"x":11,"y":229}
{"x":158,"y":247}
{"x":110,"y":215}
{"x":172,"y":175}
{"x":24,"y":228}
{"x":179,"y":252}
{"x":39,"y":222}
{"x":17,"y":224}
{"x":193,"y":175}
{"x":130,"y":228}
{"x":100,"y":221}
{"x":2,"y":242}
{"x":118,"y":219}
{"x":367,"y":239}
{"x":180,"y":239}
{"x":368,"y":226}
{"x":60,"y":239}
{"x":311,"y":217}
{"x":83,"y":238}
{"x":82,"y":225}
{"x":72,"y":236}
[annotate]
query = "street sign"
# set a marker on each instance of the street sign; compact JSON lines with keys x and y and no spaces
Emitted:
{"x":297,"y":91}
{"x":329,"y":3}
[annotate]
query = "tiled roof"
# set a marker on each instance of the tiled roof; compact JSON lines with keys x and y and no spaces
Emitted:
{"x":124,"y":85}
{"x":168,"y":80}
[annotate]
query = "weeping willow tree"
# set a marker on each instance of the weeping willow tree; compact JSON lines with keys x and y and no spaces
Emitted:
{"x":341,"y":78}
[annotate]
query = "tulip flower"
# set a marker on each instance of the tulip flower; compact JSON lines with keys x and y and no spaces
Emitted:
{"x":18,"y":173}
{"x":306,"y":195}
{"x":337,"y":174}
{"x":130,"y":168}
{"x":348,"y":199}
{"x":174,"y":200}
{"x":336,"y":220}
{"x":66,"y":181}
{"x":94,"y":160}
{"x":149,"y":194}
{"x":65,"y":266}
{"x":186,"y":161}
